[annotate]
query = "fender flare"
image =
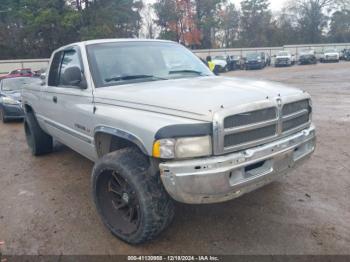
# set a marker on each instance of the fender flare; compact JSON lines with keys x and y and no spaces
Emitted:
{"x":121,"y":134}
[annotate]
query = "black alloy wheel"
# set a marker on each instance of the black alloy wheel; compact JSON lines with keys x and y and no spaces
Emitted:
{"x":120,"y":202}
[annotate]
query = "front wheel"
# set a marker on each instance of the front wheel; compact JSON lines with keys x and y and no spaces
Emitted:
{"x":39,"y":142}
{"x":131,"y":202}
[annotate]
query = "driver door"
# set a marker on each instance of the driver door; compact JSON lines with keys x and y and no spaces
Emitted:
{"x":68,"y":105}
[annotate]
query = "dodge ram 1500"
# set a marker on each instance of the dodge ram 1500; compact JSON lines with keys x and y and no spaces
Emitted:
{"x":161,"y":127}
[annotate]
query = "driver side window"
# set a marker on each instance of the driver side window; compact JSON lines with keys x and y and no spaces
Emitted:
{"x":61,"y":62}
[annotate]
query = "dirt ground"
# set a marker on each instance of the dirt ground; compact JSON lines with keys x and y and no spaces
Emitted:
{"x":46,"y":206}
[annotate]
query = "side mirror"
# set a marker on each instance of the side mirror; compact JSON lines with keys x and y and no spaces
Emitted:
{"x":43,"y":76}
{"x":72,"y":76}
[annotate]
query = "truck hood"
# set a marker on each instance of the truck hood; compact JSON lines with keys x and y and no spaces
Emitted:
{"x":287,"y":56}
{"x":331,"y":54}
{"x":195,"y":98}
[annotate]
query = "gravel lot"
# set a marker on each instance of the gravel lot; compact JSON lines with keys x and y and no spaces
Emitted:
{"x":46,"y":207}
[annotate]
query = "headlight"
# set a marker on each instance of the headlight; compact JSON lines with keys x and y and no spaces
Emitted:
{"x":9,"y":101}
{"x":182,"y":147}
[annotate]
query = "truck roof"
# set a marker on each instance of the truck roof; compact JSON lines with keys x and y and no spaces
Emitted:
{"x":112,"y":40}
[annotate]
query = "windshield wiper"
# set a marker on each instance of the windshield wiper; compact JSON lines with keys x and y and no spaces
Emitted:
{"x":187,"y":71}
{"x":132,"y":77}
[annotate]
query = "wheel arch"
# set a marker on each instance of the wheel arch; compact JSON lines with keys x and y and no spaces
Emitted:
{"x":28,"y":108}
{"x":108,"y":139}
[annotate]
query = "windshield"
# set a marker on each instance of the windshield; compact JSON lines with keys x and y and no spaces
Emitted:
{"x":306,"y":52}
{"x":15,"y":84}
{"x":253,"y":56}
{"x":120,"y":63}
{"x":331,"y":50}
{"x":283,"y":54}
{"x":219,"y":58}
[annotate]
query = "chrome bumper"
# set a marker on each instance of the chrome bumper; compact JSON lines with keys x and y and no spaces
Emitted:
{"x":222,"y":178}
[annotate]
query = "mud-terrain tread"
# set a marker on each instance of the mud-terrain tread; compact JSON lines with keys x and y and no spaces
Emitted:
{"x":157,"y":207}
{"x":42,"y":143}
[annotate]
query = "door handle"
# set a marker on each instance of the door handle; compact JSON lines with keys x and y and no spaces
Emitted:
{"x":54,"y":99}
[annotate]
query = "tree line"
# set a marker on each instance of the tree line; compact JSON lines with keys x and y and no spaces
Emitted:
{"x":34,"y":28}
{"x":219,"y":23}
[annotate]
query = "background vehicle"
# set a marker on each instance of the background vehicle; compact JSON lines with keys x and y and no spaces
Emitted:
{"x":39,"y":72}
{"x":346,"y":54}
{"x":10,"y":97}
{"x":330,"y":55}
{"x":221,"y":63}
{"x":144,"y":112}
{"x":236,"y":62}
{"x":257,"y":60}
{"x":307,"y":56}
{"x":24,"y":72}
{"x":284,"y":58}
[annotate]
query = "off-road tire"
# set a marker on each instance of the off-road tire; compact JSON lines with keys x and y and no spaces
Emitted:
{"x":39,"y":142}
{"x":155,"y":207}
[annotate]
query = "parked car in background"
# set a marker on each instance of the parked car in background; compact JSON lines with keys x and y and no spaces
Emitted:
{"x":39,"y":72}
{"x":24,"y":72}
{"x":330,"y":55}
{"x":284,"y":58}
{"x":307,"y":57}
{"x":221,"y":63}
{"x":236,"y":62}
{"x":10,"y":97}
{"x":256,"y":60}
{"x":346,"y":54}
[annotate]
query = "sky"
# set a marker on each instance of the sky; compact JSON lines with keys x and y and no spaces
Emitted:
{"x":276,"y":5}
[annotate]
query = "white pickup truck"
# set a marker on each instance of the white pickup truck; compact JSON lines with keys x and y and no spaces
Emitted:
{"x":284,"y":58}
{"x":161,"y":127}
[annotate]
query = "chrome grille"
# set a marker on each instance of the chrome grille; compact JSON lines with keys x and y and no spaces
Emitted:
{"x":295,"y":122}
{"x":271,"y":121}
{"x":247,"y":128}
{"x":252,"y":135}
{"x":295,"y":115}
{"x":250,"y":117}
{"x":295,"y":107}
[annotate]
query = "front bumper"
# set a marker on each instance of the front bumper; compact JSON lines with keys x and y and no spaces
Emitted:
{"x":331,"y":58}
{"x":283,"y":62}
{"x":13,"y":111}
{"x":254,"y":65}
{"x":222,"y":178}
{"x":307,"y":60}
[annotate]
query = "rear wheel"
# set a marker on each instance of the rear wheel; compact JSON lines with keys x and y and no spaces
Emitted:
{"x":38,"y":141}
{"x":131,"y":202}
